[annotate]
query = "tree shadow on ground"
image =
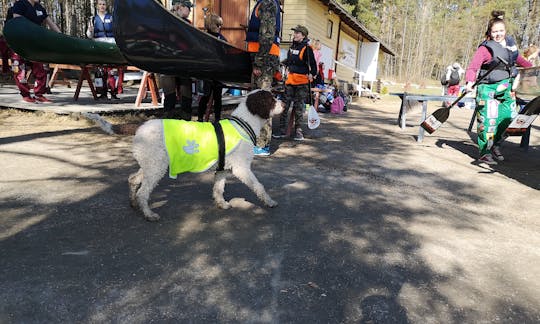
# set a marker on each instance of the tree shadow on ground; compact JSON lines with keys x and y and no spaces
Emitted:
{"x":338,"y":248}
{"x":520,"y":165}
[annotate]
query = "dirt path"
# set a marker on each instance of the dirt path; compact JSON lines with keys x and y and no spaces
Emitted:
{"x":372,"y":227}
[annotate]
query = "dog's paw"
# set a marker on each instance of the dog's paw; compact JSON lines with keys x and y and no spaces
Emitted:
{"x":152,"y":217}
{"x":271,"y":203}
{"x":134,"y":204}
{"x":223,"y":205}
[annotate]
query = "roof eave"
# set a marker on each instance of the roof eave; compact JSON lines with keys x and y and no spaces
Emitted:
{"x":356,"y":25}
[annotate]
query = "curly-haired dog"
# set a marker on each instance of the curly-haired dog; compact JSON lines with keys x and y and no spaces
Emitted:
{"x":154,"y":148}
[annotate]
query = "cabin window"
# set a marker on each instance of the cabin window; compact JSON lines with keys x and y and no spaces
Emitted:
{"x":329,"y":28}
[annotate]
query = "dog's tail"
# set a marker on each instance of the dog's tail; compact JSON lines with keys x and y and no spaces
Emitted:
{"x":123,"y":129}
{"x":101,"y":122}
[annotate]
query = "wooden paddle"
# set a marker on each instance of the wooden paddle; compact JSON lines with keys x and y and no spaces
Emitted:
{"x":520,"y":123}
{"x":435,"y":120}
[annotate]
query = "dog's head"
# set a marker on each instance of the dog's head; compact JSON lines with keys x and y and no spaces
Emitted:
{"x":263,"y":104}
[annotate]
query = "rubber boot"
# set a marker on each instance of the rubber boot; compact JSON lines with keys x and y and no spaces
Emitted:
{"x":203,"y":104}
{"x":186,"y":110}
{"x":102,"y":92}
{"x":113,"y":94}
{"x":168,"y":105}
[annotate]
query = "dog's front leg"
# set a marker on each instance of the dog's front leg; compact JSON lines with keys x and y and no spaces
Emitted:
{"x":248,"y":178}
{"x":220,"y":179}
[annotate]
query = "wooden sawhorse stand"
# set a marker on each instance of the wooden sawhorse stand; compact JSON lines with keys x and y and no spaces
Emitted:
{"x":423,"y":99}
{"x":85,"y":76}
{"x":57,"y":70}
{"x":148,"y":82}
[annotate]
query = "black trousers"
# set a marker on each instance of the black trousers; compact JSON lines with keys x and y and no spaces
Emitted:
{"x":210,"y":89}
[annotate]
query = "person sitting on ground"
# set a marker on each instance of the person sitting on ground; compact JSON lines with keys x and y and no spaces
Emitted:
{"x":212,"y":24}
{"x":340,"y":99}
{"x":100,"y":29}
{"x":36,"y":13}
{"x":326,"y":98}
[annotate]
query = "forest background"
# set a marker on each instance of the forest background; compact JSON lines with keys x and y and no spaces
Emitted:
{"x":426,"y":35}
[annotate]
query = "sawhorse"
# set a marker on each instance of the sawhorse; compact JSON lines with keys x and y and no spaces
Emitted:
{"x":57,"y":71}
{"x":423,"y":99}
{"x":85,"y":76}
{"x":148,"y":82}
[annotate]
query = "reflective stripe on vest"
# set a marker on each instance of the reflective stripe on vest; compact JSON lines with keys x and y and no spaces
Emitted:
{"x":252,"y":34}
{"x":253,"y":47}
{"x":296,"y":79}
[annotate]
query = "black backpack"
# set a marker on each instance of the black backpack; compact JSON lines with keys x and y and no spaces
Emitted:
{"x":443,"y":79}
{"x":454,"y":78}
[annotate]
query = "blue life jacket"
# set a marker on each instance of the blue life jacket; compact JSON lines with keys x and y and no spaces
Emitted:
{"x":501,"y":71}
{"x":252,"y":34}
{"x":103,"y":28}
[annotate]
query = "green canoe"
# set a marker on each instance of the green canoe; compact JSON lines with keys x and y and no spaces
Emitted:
{"x":39,"y":44}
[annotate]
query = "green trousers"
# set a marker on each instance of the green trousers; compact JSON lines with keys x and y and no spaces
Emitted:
{"x":496,"y":106}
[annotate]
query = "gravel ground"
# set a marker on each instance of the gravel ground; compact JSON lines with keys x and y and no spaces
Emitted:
{"x":372,"y":227}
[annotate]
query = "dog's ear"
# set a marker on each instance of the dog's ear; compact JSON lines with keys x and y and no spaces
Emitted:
{"x":261,"y":103}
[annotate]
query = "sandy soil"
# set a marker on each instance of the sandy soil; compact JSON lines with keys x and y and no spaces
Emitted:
{"x":372,"y":227}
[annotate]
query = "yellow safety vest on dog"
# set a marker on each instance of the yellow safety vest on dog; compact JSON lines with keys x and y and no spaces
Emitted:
{"x":193,"y":146}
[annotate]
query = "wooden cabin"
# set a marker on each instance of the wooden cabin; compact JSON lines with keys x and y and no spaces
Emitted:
{"x":350,"y":52}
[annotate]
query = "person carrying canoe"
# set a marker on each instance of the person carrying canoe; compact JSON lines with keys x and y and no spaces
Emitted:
{"x":182,"y":9}
{"x":33,"y":11}
{"x":263,"y":41}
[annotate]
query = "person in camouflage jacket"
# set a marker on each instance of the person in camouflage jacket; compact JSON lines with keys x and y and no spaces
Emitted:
{"x":263,"y":43}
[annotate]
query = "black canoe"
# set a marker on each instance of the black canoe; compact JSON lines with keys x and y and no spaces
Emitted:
{"x":39,"y":44}
{"x":153,"y":39}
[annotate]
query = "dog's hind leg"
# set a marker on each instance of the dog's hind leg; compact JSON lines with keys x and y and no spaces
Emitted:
{"x":134,"y":181}
{"x":245,"y":175}
{"x":150,"y":180}
{"x":220,"y":179}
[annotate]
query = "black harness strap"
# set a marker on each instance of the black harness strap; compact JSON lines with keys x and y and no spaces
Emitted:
{"x":221,"y":139}
{"x":221,"y":146}
{"x":245,"y":126}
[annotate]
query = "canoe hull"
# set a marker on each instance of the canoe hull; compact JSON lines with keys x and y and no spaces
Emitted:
{"x":153,"y":39}
{"x":36,"y":43}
